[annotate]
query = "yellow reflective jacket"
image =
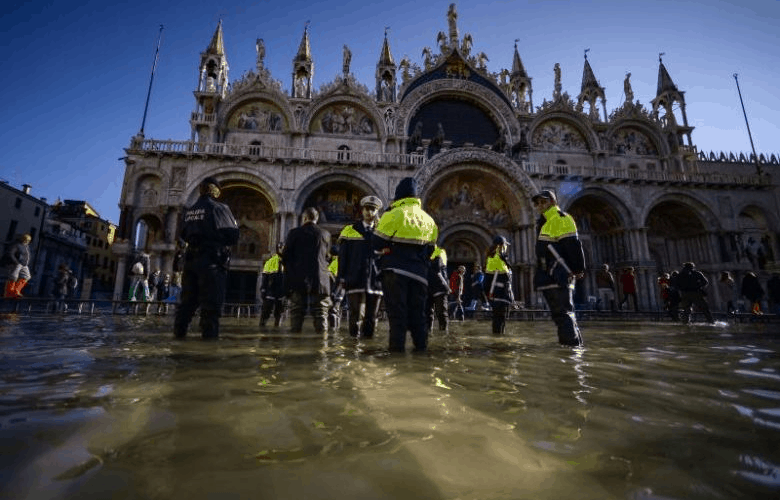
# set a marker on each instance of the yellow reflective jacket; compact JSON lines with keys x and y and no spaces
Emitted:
{"x":557,"y":231}
{"x":405,"y":236}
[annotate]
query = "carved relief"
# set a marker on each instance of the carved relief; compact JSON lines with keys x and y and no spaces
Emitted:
{"x":259,"y":116}
{"x":147,"y":191}
{"x":557,"y":135}
{"x":179,"y":178}
{"x":343,"y":119}
{"x":634,"y":142}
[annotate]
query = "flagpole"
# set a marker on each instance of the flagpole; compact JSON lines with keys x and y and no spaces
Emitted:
{"x":755,"y":156}
{"x":151,"y":79}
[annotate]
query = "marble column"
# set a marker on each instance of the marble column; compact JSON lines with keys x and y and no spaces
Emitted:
{"x":121,"y":270}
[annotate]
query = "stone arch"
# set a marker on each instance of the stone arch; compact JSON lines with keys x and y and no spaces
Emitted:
{"x":603,"y":221}
{"x":539,"y":127}
{"x":488,"y":162}
{"x":757,"y":239}
{"x":235,"y":175}
{"x":498,"y":110}
{"x":313,"y":117}
{"x":256,"y":114}
{"x":256,"y":218}
{"x":620,"y":136}
{"x":336,"y":195}
{"x":466,"y":244}
{"x":680,"y":228}
{"x":757,"y":209}
{"x":147,"y":230}
{"x":699,"y":206}
{"x":238,"y":100}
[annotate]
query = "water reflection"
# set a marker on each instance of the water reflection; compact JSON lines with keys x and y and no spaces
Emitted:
{"x":110,"y":405}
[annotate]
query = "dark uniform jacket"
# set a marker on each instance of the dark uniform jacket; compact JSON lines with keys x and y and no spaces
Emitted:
{"x":557,"y":230}
{"x":209,"y":229}
{"x":691,"y":280}
{"x":357,"y":261}
{"x":305,"y":259}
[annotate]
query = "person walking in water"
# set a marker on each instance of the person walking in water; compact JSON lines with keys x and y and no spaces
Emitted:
{"x":209,"y":229}
{"x":692,"y":284}
{"x":499,"y":283}
{"x":438,"y":289}
{"x":560,"y":261}
{"x":272,"y":288}
{"x":358,"y":273}
{"x":306,"y":258}
{"x":18,"y":258}
{"x":628,"y":284}
{"x":405,"y":238}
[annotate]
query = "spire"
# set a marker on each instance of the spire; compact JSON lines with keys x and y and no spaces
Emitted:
{"x":385,"y":57}
{"x":385,"y":73}
{"x":591,"y":92}
{"x":217,"y":46}
{"x":588,"y":78}
{"x":304,"y":49}
{"x":517,"y":65}
{"x":665,"y":82}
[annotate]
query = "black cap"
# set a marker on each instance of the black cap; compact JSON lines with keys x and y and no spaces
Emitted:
{"x":211,"y":180}
{"x":407,"y":188}
{"x":546,"y":194}
{"x":500,"y":240}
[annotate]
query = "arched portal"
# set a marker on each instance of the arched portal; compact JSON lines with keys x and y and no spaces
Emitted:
{"x":338,"y":203}
{"x":755,"y":238}
{"x":601,"y":230}
{"x":148,"y":230}
{"x":677,"y":234}
{"x":257,"y":237}
{"x":473,"y":196}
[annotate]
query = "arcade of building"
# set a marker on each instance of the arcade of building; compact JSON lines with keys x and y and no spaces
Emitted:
{"x":641,"y":193}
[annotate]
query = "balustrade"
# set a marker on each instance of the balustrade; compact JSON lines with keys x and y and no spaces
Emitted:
{"x":374,"y":158}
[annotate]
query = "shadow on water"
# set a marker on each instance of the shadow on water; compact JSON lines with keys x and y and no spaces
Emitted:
{"x":92,"y":407}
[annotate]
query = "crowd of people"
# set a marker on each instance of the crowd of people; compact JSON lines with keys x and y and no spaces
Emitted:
{"x":396,"y":260}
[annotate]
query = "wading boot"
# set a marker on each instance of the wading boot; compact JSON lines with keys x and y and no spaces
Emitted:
{"x":20,"y":283}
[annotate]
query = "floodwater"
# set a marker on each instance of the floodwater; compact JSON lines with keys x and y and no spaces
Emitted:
{"x":112,"y":407}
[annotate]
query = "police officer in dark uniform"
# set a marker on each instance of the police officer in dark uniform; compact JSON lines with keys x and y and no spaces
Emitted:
{"x":209,"y":229}
{"x":358,"y":272}
{"x":559,"y":262}
{"x":405,"y":238}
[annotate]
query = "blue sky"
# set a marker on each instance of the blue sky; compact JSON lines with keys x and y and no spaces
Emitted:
{"x":76,"y":74}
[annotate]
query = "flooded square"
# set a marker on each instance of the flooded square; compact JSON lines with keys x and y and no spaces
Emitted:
{"x":112,"y":407}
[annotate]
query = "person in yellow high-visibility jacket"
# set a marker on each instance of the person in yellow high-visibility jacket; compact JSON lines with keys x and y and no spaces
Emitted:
{"x":438,"y":289}
{"x":272,"y":288}
{"x":498,"y":276}
{"x":405,"y":238}
{"x":560,"y":261}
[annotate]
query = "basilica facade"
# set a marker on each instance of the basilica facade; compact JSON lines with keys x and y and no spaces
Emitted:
{"x":641,"y":193}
